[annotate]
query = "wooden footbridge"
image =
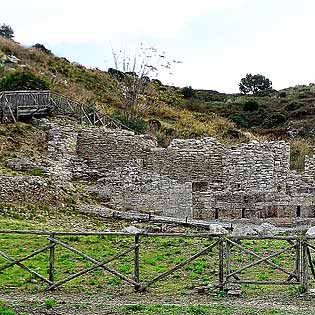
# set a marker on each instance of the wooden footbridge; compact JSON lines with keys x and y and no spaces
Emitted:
{"x":22,"y":105}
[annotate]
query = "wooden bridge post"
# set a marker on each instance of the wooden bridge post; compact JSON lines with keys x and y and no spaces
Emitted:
{"x":137,"y":262}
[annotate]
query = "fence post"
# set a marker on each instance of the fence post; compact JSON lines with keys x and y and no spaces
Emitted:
{"x":298,"y":269}
{"x":228,"y":257}
{"x":52,"y":258}
{"x":136,"y":261}
{"x":221,"y":264}
{"x":304,"y":266}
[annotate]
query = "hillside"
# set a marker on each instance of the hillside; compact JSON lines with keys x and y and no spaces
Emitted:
{"x":164,"y":114}
{"x":168,"y":114}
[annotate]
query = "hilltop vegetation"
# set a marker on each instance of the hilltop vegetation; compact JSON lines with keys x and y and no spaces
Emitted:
{"x":169,"y":112}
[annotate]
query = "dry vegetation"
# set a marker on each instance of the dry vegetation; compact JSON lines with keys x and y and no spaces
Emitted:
{"x":97,"y":88}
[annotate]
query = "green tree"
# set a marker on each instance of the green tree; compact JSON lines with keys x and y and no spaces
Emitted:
{"x":188,"y":92}
{"x":254,"y":83}
{"x":6,"y":31}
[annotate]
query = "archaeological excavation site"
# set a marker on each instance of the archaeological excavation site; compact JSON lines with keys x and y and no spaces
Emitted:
{"x":144,"y":180}
{"x":198,"y":179}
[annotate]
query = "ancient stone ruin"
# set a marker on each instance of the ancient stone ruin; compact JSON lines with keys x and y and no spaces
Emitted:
{"x":195,"y":178}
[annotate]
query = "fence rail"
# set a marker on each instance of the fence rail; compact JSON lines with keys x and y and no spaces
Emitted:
{"x":17,"y":104}
{"x":226,"y":246}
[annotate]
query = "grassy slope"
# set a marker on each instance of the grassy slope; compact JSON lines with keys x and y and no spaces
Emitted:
{"x":97,"y":88}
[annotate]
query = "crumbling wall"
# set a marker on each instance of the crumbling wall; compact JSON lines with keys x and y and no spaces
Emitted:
{"x":129,"y":187}
{"x":196,"y":177}
{"x":257,"y":166}
{"x":310,"y":167}
{"x":193,"y":160}
{"x":105,"y":149}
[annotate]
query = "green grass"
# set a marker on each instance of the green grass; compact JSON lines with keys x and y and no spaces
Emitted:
{"x":157,"y":255}
{"x":5,"y":310}
{"x":50,"y":303}
{"x":197,"y":310}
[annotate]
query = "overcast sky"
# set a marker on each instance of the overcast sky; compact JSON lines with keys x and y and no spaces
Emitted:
{"x":218,"y":41}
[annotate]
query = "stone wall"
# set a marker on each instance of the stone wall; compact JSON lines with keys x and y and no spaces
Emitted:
{"x":129,"y":187}
{"x":257,"y":166}
{"x":105,"y":149}
{"x":197,"y":178}
{"x":196,"y":161}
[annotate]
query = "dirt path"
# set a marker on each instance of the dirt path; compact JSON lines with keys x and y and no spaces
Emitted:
{"x":106,"y":304}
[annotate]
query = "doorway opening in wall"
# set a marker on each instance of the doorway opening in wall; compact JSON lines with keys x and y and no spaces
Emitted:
{"x":216,"y":213}
{"x":298,"y":211}
{"x":243,"y":213}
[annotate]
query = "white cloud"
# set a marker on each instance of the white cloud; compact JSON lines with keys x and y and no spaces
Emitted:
{"x":80,"y":21}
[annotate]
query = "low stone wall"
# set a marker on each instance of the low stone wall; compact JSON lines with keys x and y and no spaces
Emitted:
{"x":27,"y":190}
{"x":129,"y":188}
{"x":238,"y":205}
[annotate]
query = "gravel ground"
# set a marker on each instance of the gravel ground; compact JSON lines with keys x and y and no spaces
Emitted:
{"x":104,"y":304}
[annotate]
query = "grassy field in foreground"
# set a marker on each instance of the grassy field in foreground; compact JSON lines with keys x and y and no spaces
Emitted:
{"x":157,"y":255}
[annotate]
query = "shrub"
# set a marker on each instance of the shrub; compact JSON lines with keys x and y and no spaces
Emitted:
{"x":293,"y":106}
{"x":240,"y":120}
{"x":137,"y":124}
{"x":196,"y":105}
{"x":5,"y":311}
{"x":42,"y":48}
{"x":50,"y":303}
{"x":23,"y":81}
{"x":188,"y":92}
{"x":276,"y":119}
{"x":6,"y":31}
{"x":299,"y":147}
{"x":282,"y":94}
{"x":250,"y":106}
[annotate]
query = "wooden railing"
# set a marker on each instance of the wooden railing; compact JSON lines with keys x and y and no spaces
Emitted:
{"x":299,"y":249}
{"x":17,"y":104}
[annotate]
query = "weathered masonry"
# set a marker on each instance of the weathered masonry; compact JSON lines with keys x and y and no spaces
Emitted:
{"x":194,"y":178}
{"x":198,"y":178}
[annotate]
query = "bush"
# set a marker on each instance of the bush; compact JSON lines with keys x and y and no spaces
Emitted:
{"x":276,"y":119}
{"x":42,"y":48}
{"x":188,"y":92}
{"x":196,"y":105}
{"x":240,"y":120}
{"x":6,"y":31}
{"x":282,"y":94}
{"x":250,"y":106}
{"x":23,"y":81}
{"x":293,"y":106}
{"x":298,"y":149}
{"x":135,"y":123}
